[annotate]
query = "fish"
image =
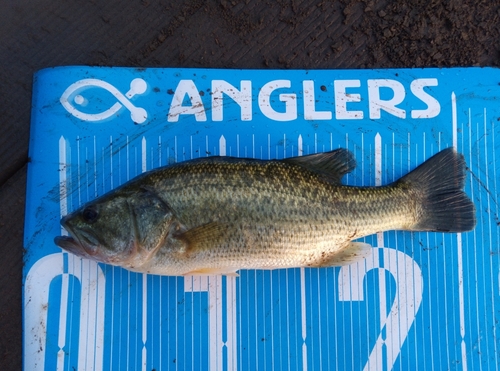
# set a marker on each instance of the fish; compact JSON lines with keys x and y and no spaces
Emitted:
{"x":217,"y":215}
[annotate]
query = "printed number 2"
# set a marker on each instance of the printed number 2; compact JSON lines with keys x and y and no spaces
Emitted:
{"x":409,"y":289}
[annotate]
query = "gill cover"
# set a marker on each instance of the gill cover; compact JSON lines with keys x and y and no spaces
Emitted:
{"x":151,"y":218}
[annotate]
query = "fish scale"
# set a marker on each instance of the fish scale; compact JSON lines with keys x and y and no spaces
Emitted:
{"x":221,"y":214}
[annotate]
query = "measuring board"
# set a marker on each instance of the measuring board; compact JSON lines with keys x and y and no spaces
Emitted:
{"x":422,"y":301}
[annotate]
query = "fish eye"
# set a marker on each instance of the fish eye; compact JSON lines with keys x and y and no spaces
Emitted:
{"x":90,"y":215}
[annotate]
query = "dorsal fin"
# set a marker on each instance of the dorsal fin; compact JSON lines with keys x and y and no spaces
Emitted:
{"x":332,"y":165}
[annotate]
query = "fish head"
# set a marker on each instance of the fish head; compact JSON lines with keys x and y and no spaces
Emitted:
{"x":122,"y":228}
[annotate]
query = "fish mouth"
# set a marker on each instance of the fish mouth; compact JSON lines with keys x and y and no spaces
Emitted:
{"x":71,"y":245}
{"x":82,"y":244}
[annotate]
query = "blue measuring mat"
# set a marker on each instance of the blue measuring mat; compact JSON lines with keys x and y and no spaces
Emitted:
{"x":421,"y":301}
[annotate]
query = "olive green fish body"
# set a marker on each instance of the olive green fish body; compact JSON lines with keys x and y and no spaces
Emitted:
{"x":220,"y":214}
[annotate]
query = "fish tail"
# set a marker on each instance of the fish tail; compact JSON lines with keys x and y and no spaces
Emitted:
{"x":438,"y":184}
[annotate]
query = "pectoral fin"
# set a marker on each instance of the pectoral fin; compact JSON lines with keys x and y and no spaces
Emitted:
{"x":203,"y":237}
{"x":352,"y":253}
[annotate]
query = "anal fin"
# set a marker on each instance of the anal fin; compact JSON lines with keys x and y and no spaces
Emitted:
{"x":352,"y":253}
{"x":225,"y":271}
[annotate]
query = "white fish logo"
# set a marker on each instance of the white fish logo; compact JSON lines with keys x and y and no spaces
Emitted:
{"x":137,"y":86}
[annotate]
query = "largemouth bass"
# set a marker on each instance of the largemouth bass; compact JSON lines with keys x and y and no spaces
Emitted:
{"x":217,"y":215}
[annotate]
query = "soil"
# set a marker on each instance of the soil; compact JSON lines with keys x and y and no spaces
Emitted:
{"x":310,"y":34}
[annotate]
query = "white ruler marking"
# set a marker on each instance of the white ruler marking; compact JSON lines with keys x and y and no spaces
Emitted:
{"x":485,"y":137}
{"x":380,"y":235}
{"x":144,"y":278}
{"x":303,"y":288}
{"x":63,"y":205}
